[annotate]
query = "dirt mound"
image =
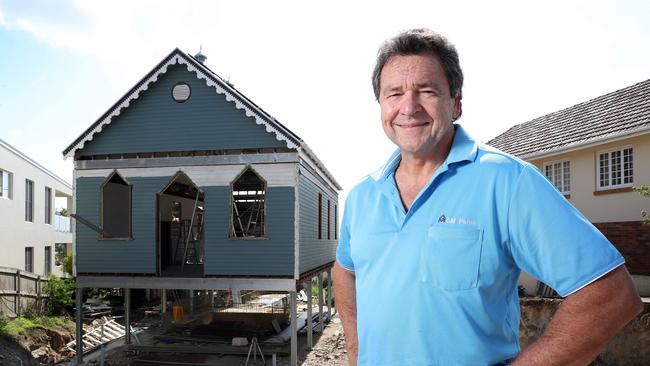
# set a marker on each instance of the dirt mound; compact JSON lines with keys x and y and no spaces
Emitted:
{"x":37,"y":346}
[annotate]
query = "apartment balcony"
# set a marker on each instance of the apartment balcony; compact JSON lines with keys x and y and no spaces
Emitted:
{"x":61,"y":223}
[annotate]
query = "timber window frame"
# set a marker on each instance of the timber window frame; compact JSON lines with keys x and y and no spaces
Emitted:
{"x":116,"y":209}
{"x":559,"y":173}
{"x":248,"y":206}
{"x":615,"y":168}
{"x":6,"y":184}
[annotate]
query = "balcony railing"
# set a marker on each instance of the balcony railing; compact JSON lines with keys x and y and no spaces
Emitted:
{"x":62,"y":223}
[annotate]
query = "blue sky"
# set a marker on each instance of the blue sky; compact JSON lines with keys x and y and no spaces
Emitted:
{"x":64,"y":63}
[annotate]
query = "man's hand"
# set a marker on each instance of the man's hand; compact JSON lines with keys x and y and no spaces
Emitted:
{"x":585,"y":322}
{"x":346,"y":304}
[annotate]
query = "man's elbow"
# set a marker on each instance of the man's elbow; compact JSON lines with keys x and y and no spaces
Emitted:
{"x":630,"y":303}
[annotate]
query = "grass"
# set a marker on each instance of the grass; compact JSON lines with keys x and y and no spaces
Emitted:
{"x":13,"y":328}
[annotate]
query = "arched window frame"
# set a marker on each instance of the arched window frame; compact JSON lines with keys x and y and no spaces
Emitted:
{"x":231,"y":230}
{"x":104,"y":235}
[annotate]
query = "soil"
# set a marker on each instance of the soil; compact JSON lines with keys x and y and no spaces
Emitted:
{"x":37,"y":346}
{"x":630,"y":347}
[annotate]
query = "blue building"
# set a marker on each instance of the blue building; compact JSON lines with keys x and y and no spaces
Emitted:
{"x":185,"y":183}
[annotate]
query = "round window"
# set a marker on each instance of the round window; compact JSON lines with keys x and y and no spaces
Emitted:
{"x":181,"y":92}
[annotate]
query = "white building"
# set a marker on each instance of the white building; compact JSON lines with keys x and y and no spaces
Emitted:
{"x":32,"y":235}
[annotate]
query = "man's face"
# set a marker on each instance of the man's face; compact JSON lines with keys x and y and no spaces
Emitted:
{"x":417,"y":110}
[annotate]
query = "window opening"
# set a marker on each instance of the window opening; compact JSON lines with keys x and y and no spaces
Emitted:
{"x":329,"y":220}
{"x":180,"y":221}
{"x":6,"y":181}
{"x":616,"y":168}
{"x":116,"y":207}
{"x":559,"y":173}
{"x":48,"y":205}
{"x":48,"y":260}
{"x":248,"y":206}
{"x":60,"y":253}
{"x":320,"y":216}
{"x":29,"y":200}
{"x":29,"y":259}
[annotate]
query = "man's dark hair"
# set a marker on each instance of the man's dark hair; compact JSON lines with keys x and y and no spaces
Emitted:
{"x":417,"y":42}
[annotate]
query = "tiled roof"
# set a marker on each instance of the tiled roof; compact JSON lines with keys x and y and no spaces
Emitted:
{"x":623,"y":112}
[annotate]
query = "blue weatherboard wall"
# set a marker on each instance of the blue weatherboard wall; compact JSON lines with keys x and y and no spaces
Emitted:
{"x":154,"y":122}
{"x":315,"y":252}
{"x":270,"y":257}
{"x":118,"y":256}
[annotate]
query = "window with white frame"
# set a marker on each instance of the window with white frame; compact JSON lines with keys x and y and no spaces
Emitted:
{"x":559,"y":173}
{"x":6,"y":182}
{"x":615,"y":168}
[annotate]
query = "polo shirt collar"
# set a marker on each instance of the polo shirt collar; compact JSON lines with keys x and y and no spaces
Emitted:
{"x":463,"y":148}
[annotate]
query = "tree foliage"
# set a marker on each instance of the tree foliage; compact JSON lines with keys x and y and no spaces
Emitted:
{"x":60,"y":292}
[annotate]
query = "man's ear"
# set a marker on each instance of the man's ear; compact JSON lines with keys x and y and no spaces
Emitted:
{"x":458,"y":108}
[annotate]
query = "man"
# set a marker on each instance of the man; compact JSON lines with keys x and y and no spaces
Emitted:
{"x":432,"y":244}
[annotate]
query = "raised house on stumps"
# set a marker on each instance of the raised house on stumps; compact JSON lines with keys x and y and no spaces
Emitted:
{"x":185,"y":183}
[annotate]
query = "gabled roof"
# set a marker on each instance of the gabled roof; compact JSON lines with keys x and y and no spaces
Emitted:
{"x":221,"y":87}
{"x":620,"y":114}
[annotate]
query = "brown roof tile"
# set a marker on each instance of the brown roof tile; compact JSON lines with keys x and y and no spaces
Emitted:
{"x":624,"y":110}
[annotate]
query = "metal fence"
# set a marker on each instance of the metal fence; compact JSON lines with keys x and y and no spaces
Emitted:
{"x":20,"y":292}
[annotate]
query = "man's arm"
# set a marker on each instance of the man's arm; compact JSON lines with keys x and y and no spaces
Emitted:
{"x":346,"y":303}
{"x":585,"y":322}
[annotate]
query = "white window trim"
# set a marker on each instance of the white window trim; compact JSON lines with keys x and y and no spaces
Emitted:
{"x":11,"y":184}
{"x":561,"y":175}
{"x":597,"y":163}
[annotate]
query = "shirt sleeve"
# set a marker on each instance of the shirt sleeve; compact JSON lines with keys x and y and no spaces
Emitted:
{"x":343,"y":255}
{"x":552,"y":240}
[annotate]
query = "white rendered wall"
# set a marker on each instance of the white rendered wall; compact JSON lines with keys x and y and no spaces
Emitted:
{"x":15,"y":232}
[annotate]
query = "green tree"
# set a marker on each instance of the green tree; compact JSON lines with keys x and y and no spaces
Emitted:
{"x":67,"y":264}
{"x":60,"y":292}
{"x":644,"y":190}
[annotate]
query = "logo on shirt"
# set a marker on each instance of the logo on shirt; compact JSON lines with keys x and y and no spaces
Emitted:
{"x":453,"y":220}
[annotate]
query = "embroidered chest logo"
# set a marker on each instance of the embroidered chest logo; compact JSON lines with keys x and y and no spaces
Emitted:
{"x":454,"y":220}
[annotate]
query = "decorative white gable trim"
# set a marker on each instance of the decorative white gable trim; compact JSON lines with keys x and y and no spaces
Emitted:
{"x":182,"y":59}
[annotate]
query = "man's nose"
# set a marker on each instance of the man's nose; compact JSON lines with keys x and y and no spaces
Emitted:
{"x":410,"y":104}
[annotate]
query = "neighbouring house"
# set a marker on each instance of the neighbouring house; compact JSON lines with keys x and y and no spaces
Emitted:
{"x":595,"y":153}
{"x":185,"y":183}
{"x":35,"y":238}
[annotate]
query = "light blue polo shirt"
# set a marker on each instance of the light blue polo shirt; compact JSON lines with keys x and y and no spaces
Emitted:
{"x":437,"y":285}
